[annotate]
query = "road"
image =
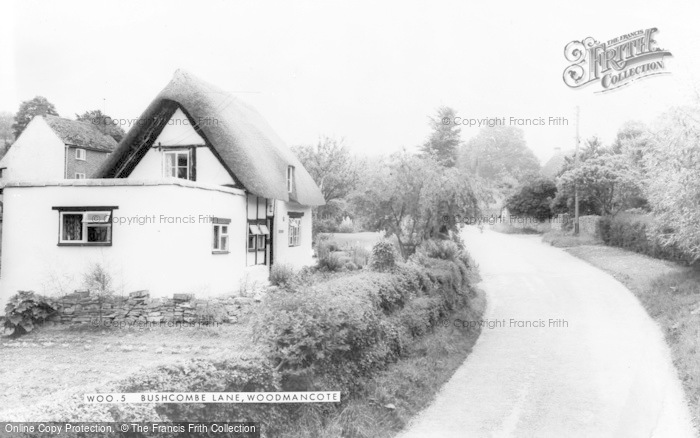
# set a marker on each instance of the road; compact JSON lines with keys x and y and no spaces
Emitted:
{"x":597,"y":367}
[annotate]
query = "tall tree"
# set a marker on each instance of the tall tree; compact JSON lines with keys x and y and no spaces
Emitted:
{"x":500,"y":156}
{"x":103,"y":122}
{"x":444,"y":140}
{"x":533,"y":199}
{"x":39,"y":106}
{"x":674,"y":187}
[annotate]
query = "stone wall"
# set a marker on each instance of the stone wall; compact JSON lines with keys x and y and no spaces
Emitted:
{"x":86,"y":308}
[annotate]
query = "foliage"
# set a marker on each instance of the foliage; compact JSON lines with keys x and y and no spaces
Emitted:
{"x":6,"y":135}
{"x":440,"y":249}
{"x":674,"y":188}
{"x":282,"y":274}
{"x":533,"y":199}
{"x":500,"y":156}
{"x":329,"y":225}
{"x":39,"y":106}
{"x":25,"y":310}
{"x":327,"y":257}
{"x":635,"y":236}
{"x":346,"y":226}
{"x":103,"y":122}
{"x":444,"y":140}
{"x":383,"y":256}
{"x":607,"y":182}
{"x":415,"y":199}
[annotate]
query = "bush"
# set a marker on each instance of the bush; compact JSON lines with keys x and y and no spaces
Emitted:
{"x":635,"y":236}
{"x":383,"y":256}
{"x":25,"y":310}
{"x":324,"y":226}
{"x":440,"y":249}
{"x":282,"y":275}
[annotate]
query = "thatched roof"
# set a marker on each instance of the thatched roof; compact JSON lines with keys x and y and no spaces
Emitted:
{"x":80,"y":134}
{"x":252,"y":152}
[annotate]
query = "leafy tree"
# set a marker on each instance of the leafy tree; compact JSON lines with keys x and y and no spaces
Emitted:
{"x":103,"y":122}
{"x":39,"y":106}
{"x":500,"y":156}
{"x":608,"y":183}
{"x":415,"y":198}
{"x":533,"y":199}
{"x":444,"y":140}
{"x":674,"y":189}
{"x":6,"y":136}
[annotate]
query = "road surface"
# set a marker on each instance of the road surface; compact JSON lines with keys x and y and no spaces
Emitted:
{"x":571,"y":353}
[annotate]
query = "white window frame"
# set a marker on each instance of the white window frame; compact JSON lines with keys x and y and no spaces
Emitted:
{"x":294,"y":231}
{"x":90,"y":219}
{"x":167,"y":169}
{"x":80,"y":154}
{"x":220,"y":242}
{"x":79,"y":175}
{"x":290,"y":179}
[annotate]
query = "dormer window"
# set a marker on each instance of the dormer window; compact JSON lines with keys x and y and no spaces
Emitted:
{"x":176,"y":164}
{"x":290,"y":179}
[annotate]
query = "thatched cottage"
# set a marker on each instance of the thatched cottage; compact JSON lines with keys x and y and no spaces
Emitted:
{"x":200,"y":196}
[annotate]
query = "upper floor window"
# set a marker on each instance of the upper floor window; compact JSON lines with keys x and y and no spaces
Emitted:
{"x":79,"y":175}
{"x":176,"y":164}
{"x":85,"y":227}
{"x":80,"y":154}
{"x":290,"y":178}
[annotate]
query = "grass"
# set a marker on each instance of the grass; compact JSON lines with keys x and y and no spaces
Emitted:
{"x":394,"y":396}
{"x":53,"y":361}
{"x":670,"y":293}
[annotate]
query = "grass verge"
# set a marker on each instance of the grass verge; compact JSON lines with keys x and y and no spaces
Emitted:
{"x":565,"y":239}
{"x":671,"y":296}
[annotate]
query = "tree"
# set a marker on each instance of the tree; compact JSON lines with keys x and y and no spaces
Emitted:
{"x":608,"y":183}
{"x":501,"y":157}
{"x":415,"y":198}
{"x":103,"y":122}
{"x":444,"y":140}
{"x":6,"y":136}
{"x":533,"y":199}
{"x":674,"y":189}
{"x":39,"y":106}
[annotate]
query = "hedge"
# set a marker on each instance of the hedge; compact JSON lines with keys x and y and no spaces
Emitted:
{"x":635,"y":236}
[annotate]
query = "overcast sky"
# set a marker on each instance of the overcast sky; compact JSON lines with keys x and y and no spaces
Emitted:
{"x":368,"y":71}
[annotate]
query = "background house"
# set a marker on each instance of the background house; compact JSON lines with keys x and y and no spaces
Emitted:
{"x":52,"y":147}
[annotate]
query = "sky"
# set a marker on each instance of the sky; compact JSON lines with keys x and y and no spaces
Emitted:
{"x":366,"y":71}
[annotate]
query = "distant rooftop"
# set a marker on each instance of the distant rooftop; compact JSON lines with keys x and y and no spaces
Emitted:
{"x":80,"y":134}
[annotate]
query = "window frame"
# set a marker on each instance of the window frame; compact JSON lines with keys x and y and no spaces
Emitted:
{"x":290,"y":179}
{"x":78,"y":175}
{"x":81,"y":154}
{"x":294,"y":237}
{"x":86,"y":225}
{"x":220,"y":234}
{"x":176,"y":153}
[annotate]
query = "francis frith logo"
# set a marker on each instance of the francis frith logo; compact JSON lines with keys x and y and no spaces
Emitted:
{"x":616,"y":62}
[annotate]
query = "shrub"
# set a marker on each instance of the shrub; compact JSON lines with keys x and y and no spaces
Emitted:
{"x":383,"y":256}
{"x":24,"y":310}
{"x":282,"y":274}
{"x":324,"y":226}
{"x":440,"y":249}
{"x":358,"y":255}
{"x":331,"y":262}
{"x":635,"y":236}
{"x":346,"y":226}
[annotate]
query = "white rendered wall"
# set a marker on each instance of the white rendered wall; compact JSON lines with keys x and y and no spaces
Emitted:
{"x":38,"y":154}
{"x":162,"y":257}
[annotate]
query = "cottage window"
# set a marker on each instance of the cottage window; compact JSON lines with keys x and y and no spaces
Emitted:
{"x":79,"y":175}
{"x":85,"y":227}
{"x":220,"y":238}
{"x":257,"y":236}
{"x":177,"y":164}
{"x":80,"y":154}
{"x":290,"y":179}
{"x":294,"y":231}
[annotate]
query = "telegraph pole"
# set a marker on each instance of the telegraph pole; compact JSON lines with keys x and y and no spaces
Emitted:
{"x":575,"y":184}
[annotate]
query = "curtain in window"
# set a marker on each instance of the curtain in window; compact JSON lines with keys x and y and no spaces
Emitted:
{"x":72,"y":227}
